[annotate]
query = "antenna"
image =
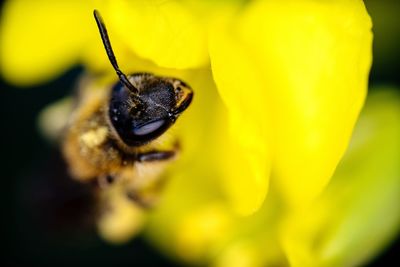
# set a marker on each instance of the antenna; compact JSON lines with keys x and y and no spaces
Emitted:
{"x":110,"y":52}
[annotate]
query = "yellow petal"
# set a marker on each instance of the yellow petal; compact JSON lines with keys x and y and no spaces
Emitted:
{"x":200,"y":232}
{"x":165,"y":32}
{"x":359,"y":211}
{"x":246,"y":152}
{"x":40,"y":39}
{"x":313,"y":58}
{"x":241,"y":254}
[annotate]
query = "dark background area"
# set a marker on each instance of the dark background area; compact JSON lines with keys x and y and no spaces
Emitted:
{"x":46,"y":218}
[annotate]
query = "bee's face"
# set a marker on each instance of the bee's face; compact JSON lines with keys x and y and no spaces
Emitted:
{"x":139,"y":117}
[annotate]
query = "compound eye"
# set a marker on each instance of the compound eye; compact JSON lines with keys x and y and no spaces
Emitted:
{"x":149,"y":128}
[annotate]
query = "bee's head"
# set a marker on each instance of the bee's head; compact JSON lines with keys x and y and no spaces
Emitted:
{"x":141,"y":117}
{"x":143,"y":106}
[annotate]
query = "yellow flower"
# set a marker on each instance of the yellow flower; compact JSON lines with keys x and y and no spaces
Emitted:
{"x":355,"y":217}
{"x":279,"y":86}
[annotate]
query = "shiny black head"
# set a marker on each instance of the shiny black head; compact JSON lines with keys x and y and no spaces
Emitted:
{"x":140,"y":118}
{"x":143,"y":106}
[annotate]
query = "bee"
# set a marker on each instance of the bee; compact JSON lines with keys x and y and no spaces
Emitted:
{"x":113,"y":135}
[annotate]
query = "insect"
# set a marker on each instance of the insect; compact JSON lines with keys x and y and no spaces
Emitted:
{"x":113,"y":135}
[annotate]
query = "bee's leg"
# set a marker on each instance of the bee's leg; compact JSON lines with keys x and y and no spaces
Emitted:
{"x":105,"y":181}
{"x":155,"y":156}
{"x":148,"y":197}
{"x":145,"y":203}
